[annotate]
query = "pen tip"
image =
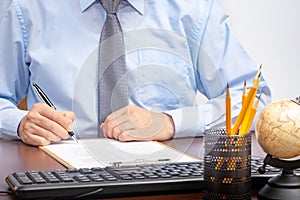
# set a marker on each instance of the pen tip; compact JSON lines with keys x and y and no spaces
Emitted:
{"x":75,"y":139}
{"x":71,"y":133}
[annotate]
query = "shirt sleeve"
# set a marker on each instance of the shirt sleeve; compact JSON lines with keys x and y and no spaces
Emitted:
{"x":13,"y":69}
{"x":218,"y":59}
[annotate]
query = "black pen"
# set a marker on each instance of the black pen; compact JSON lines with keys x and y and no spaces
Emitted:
{"x":47,"y":101}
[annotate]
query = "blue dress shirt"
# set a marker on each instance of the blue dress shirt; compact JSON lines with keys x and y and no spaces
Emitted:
{"x":174,"y":50}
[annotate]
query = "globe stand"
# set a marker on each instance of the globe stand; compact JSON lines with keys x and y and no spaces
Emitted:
{"x":283,"y":186}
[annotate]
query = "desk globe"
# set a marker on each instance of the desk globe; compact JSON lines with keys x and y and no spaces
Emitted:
{"x":278,"y":132}
{"x":278,"y":129}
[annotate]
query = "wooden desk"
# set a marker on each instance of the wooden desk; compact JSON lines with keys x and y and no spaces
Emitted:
{"x":16,"y":156}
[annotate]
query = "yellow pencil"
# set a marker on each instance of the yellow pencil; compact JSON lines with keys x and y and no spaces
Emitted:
{"x":258,"y":73}
{"x":244,"y":93}
{"x":245,"y":122}
{"x":228,"y":111}
{"x":250,"y":98}
{"x":252,"y":115}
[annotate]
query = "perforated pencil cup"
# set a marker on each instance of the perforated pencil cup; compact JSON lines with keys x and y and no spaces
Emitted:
{"x":227,"y":165}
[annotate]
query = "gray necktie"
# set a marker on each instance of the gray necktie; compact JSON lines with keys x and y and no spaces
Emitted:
{"x":113,"y":83}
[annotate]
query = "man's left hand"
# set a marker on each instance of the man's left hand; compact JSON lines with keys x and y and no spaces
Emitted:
{"x":133,"y":123}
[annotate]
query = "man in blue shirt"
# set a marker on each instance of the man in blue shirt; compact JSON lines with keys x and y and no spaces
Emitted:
{"x":174,"y":50}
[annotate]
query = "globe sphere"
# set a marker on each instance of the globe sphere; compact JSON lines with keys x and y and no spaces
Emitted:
{"x":277,"y":129}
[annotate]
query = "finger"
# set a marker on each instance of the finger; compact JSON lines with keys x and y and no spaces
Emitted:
{"x":29,"y":137}
{"x":50,"y":126}
{"x":125,"y":137}
{"x":36,"y":140}
{"x":129,"y":113}
{"x":113,"y":134}
{"x":68,"y":114}
{"x":160,"y":129}
{"x":111,"y":123}
{"x":117,"y":115}
{"x":71,"y":116}
{"x":114,"y":119}
{"x":48,"y":135}
{"x":133,"y":135}
{"x":59,"y":118}
{"x":55,"y":122}
{"x":31,"y":130}
{"x":118,"y":130}
{"x":143,"y":134}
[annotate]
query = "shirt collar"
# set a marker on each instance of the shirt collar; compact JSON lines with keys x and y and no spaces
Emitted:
{"x":136,"y":4}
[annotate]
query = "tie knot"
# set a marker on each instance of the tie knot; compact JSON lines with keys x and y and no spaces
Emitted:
{"x":110,"y":6}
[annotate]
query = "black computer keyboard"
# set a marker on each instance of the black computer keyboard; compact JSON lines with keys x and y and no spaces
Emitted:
{"x":119,"y":181}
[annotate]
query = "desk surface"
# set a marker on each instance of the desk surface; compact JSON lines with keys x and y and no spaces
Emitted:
{"x":16,"y":156}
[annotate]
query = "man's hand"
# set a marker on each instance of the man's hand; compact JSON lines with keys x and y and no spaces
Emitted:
{"x":133,"y":123}
{"x":43,"y":125}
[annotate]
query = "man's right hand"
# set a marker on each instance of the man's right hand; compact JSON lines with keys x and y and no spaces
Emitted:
{"x":43,"y":125}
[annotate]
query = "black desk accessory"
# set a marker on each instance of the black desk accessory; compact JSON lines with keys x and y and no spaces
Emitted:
{"x":283,"y":186}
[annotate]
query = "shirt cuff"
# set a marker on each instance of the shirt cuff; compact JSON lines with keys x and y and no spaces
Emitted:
{"x":9,"y":123}
{"x":191,"y":121}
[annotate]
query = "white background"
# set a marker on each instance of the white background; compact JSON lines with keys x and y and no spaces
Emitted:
{"x":269,"y":30}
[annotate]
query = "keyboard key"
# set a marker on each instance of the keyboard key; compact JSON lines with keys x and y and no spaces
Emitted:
{"x":24,"y":180}
{"x":72,"y":170}
{"x":86,"y":171}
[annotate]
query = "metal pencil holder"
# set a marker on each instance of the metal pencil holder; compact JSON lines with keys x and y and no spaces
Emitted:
{"x":227,"y":165}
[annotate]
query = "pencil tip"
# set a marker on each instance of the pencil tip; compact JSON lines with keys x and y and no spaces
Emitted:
{"x":259,"y":74}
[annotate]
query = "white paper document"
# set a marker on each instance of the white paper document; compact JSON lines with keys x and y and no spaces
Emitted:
{"x":88,"y":153}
